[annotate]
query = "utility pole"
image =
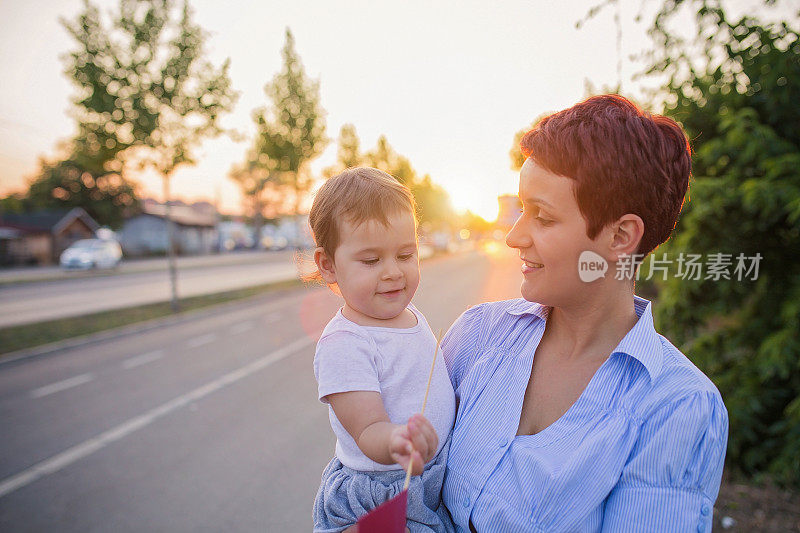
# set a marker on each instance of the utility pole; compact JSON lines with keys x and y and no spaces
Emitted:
{"x":173,"y":271}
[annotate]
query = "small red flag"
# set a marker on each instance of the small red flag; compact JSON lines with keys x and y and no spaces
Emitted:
{"x":388,"y":517}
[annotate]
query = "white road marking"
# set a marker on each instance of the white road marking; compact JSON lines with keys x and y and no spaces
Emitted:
{"x":241,"y":328}
{"x":201,"y":340}
{"x":145,"y":358}
{"x":86,"y":448}
{"x":58,"y":386}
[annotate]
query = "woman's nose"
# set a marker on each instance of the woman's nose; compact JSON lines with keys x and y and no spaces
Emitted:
{"x":517,"y":237}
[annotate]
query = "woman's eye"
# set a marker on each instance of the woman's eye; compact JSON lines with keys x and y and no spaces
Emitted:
{"x":405,"y":257}
{"x":369,"y":261}
{"x":544,"y":221}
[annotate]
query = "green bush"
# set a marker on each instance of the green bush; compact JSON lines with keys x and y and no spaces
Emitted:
{"x":742,"y":115}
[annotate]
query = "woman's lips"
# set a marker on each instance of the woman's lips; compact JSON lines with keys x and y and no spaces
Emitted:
{"x":531,"y":266}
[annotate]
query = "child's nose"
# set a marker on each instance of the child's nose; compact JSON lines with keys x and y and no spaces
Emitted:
{"x":392,"y":270}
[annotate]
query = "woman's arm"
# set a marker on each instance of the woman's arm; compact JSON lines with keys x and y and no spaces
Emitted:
{"x":363,"y":416}
{"x":672,"y":476}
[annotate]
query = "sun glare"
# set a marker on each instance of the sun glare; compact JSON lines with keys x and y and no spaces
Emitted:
{"x":494,"y":248}
{"x":485,"y":206}
{"x":486,"y":209}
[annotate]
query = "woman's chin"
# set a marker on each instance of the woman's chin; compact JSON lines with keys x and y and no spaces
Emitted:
{"x":530,"y":292}
{"x":541,"y":292}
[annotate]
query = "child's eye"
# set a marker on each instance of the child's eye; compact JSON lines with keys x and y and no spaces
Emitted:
{"x":544,"y":221}
{"x":369,"y":261}
{"x":405,"y":257}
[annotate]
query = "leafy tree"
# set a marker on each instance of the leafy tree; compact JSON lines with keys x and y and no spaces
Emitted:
{"x":349,"y":154}
{"x":477,"y":225}
{"x":734,"y":84}
{"x":433,"y":203}
{"x":15,"y":203}
{"x":405,"y":173}
{"x":384,"y":157}
{"x":106,"y":196}
{"x":265,"y":195}
{"x":145,"y":92}
{"x":741,"y":112}
{"x":85,"y":178}
{"x":290,"y":132}
{"x":515,"y":154}
{"x":143,"y":83}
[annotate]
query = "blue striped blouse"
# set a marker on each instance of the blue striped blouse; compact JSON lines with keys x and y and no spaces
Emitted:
{"x":642,"y":448}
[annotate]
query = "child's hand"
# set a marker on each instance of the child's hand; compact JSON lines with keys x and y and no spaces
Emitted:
{"x":416,"y":441}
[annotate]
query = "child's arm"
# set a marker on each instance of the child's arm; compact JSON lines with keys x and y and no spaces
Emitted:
{"x":363,"y":416}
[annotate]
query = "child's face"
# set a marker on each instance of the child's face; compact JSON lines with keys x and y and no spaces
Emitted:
{"x":550,"y":236}
{"x":376,"y":267}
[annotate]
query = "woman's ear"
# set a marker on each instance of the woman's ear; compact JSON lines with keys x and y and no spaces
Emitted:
{"x":325,"y":265}
{"x":627,"y":233}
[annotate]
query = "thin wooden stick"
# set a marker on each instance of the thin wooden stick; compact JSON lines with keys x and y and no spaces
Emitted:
{"x":424,"y":403}
{"x":408,"y":472}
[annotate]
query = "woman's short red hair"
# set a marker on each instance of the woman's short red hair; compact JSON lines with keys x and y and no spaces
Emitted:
{"x":623,"y":160}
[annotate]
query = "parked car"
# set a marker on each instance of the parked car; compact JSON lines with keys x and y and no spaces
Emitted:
{"x":274,"y":242}
{"x":91,"y":253}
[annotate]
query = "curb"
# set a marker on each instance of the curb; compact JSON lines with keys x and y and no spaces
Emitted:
{"x":139,"y":327}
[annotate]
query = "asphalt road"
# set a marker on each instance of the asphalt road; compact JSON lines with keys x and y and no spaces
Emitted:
{"x":209,"y":425}
{"x":138,"y":283}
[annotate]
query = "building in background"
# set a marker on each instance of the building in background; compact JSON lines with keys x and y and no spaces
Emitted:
{"x":38,"y":238}
{"x":235,"y":235}
{"x":195,"y":229}
{"x":510,"y":210}
{"x":290,"y":231}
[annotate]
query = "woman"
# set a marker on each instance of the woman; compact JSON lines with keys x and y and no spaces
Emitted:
{"x":574,"y":414}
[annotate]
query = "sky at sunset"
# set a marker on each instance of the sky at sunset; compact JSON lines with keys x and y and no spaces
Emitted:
{"x":448,"y":83}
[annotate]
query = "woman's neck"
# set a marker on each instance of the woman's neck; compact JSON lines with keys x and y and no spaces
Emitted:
{"x":592,"y":327}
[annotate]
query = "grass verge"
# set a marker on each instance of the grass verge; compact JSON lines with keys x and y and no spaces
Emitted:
{"x":29,"y":335}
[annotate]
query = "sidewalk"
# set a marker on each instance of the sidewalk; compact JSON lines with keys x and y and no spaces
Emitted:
{"x":128,"y":266}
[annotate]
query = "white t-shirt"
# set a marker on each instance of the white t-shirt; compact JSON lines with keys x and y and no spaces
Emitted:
{"x":394,"y":362}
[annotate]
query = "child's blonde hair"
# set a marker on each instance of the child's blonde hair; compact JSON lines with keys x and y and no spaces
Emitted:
{"x":357,"y":195}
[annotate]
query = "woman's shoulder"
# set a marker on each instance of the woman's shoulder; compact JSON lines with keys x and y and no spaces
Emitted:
{"x":488,"y":314}
{"x":681,"y":441}
{"x":481,"y":329}
{"x":679,"y":381}
{"x":680,"y":374}
{"x":513,"y":307}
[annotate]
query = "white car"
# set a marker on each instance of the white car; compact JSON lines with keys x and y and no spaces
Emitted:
{"x":91,"y":253}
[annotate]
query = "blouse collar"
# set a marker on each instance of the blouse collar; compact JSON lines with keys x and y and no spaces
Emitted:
{"x":642,"y":342}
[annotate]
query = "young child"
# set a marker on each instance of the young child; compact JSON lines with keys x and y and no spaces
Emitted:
{"x":373,"y":358}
